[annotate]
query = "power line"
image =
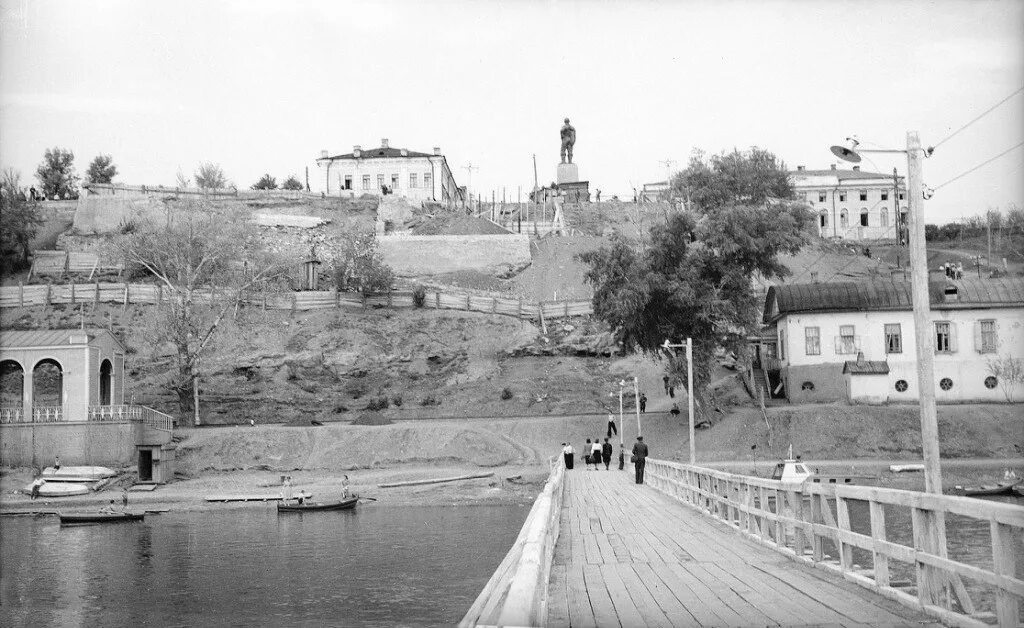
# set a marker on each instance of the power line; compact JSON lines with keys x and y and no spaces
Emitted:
{"x":984,"y":163}
{"x":983,"y":114}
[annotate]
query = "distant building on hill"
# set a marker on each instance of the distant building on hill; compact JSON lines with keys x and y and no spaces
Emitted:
{"x":652,"y":192}
{"x":855,"y":341}
{"x":385,"y":170}
{"x":853,"y":204}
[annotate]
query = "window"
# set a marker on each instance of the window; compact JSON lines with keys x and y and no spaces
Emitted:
{"x":428,"y":181}
{"x":985,"y":339}
{"x":380,"y":181}
{"x":844,"y":219}
{"x":807,"y":386}
{"x":821,"y":197}
{"x":885,"y":195}
{"x":823,"y":219}
{"x":846,"y":344}
{"x":366,"y":182}
{"x":903,"y":196}
{"x":901,"y":385}
{"x":863,"y":195}
{"x":945,"y":383}
{"x":944,"y":339}
{"x":348,"y":182}
{"x":864,"y":217}
{"x":412,"y":179}
{"x":394,"y":181}
{"x":842,"y":196}
{"x":893,"y":338}
{"x":991,"y":382}
{"x":883,"y":217}
{"x":812,"y":340}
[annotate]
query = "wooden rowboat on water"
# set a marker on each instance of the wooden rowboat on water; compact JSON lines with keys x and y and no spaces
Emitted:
{"x":1002,"y":488}
{"x":99,"y":517}
{"x":294,"y":506}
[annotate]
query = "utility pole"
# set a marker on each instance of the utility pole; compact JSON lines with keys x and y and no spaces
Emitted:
{"x":636,"y":398}
{"x":923,"y":334}
{"x":469,"y":168}
{"x":668,"y":177}
{"x":900,"y":240}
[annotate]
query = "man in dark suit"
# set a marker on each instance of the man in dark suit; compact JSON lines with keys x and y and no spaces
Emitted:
{"x":606,"y":453}
{"x":639,"y":458}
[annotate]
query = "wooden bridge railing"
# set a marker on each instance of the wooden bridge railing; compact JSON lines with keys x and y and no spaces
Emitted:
{"x":516,"y":594}
{"x":812,"y":523}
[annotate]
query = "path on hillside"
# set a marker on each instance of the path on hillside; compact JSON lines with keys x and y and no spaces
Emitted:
{"x":628,"y":555}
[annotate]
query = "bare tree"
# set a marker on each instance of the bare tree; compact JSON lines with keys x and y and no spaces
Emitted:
{"x":1009,"y":373}
{"x":209,"y":261}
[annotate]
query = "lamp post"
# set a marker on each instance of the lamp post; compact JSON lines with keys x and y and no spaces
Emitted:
{"x":919,"y":296}
{"x":689,"y":390}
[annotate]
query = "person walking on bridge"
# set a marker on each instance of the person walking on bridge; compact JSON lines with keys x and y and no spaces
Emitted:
{"x":595,"y":454}
{"x":606,"y":453}
{"x":567,"y":453}
{"x":639,"y":458}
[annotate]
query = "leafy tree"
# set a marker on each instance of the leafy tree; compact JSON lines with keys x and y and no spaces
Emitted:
{"x":358,"y":263}
{"x":267,"y":182}
{"x":56,"y":174}
{"x":101,"y":170}
{"x":209,"y":176}
{"x":749,"y":177}
{"x":292,"y":183}
{"x":693,"y":278}
{"x":19,"y":219}
{"x":208,"y":262}
{"x":181,"y":181}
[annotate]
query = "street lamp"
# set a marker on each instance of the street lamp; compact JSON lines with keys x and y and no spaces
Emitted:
{"x":919,"y":294}
{"x":689,"y":390}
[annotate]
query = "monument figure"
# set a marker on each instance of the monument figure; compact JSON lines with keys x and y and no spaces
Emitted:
{"x":568,"y":139}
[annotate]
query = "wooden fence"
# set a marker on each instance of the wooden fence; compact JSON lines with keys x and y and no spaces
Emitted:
{"x":844,"y":529}
{"x":516,"y":594}
{"x":150,"y":294}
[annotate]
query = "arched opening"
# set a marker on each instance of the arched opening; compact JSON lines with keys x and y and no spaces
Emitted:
{"x":47,"y":384}
{"x":883,"y":217}
{"x":12,"y":387}
{"x":105,"y":372}
{"x":844,"y":219}
{"x":864,"y":217}
{"x":823,"y":219}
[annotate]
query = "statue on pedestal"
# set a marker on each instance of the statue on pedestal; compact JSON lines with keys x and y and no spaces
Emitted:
{"x":568,"y":139}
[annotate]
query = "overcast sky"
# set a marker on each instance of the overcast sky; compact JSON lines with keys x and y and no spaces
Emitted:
{"x":263,"y":87}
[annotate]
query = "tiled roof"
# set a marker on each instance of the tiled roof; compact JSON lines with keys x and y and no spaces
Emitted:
{"x":866,"y":367}
{"x":842,"y":175}
{"x":890,"y":295}
{"x":44,"y":338}
{"x":381,"y":153}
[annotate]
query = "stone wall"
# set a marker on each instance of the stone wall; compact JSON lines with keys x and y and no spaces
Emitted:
{"x":103,"y":214}
{"x":427,"y":255}
{"x":828,"y":380}
{"x":107,"y":444}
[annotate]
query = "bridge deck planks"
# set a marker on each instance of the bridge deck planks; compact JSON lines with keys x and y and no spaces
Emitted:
{"x":628,"y":555}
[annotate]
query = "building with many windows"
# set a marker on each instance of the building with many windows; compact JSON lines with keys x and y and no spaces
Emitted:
{"x":386,"y":170}
{"x":855,"y":341}
{"x":853,"y":204}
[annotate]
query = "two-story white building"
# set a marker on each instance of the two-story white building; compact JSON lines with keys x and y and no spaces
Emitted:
{"x":855,"y":341}
{"x":853,"y":204}
{"x":412,"y":175}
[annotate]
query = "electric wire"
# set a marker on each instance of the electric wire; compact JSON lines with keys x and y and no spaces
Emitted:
{"x":979,"y":117}
{"x":984,"y":163}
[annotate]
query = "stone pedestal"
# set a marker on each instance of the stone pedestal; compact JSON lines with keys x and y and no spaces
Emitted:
{"x":567,"y":173}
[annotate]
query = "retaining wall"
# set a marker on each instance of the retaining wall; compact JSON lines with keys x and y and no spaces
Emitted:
{"x":417,"y":255}
{"x":78,"y":443}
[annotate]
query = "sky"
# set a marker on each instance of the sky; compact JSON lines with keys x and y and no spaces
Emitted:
{"x":265,"y":86}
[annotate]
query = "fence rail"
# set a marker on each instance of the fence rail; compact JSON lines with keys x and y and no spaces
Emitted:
{"x":812,"y":523}
{"x":516,"y":594}
{"x":150,"y":294}
{"x":120,"y":413}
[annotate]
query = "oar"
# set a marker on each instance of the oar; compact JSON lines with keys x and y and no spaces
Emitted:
{"x":369,"y":499}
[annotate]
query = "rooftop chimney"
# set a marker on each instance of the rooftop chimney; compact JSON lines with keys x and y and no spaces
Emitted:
{"x":437,"y":150}
{"x":405,"y":152}
{"x":356,"y":150}
{"x":857,"y":168}
{"x":323,"y":154}
{"x":833,"y":166}
{"x":801,"y":167}
{"x":383,"y":142}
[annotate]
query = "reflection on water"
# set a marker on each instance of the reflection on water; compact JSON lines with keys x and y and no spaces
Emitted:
{"x":376,"y":566}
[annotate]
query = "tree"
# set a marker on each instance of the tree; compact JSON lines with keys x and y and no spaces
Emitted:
{"x":208,"y":262}
{"x":749,"y":177}
{"x":56,"y":174}
{"x":358,"y":261}
{"x":292,"y":183}
{"x":209,"y":176}
{"x":19,"y":219}
{"x":693,"y":278}
{"x":267,"y":182}
{"x":1009,"y":373}
{"x":101,"y":170}
{"x":181,"y":181}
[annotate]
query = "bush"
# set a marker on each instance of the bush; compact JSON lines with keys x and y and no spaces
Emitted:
{"x":356,"y":389}
{"x":429,"y":400}
{"x":396,"y":400}
{"x":378,"y":403}
{"x":419,"y":296}
{"x":292,"y":183}
{"x":506,"y":394}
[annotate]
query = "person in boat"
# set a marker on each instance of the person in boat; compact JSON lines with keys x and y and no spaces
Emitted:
{"x":344,"y":487}
{"x":124,"y":498}
{"x":301,"y":499}
{"x":108,"y":509}
{"x":35,"y":487}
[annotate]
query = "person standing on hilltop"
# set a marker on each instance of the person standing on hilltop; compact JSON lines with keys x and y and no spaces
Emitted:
{"x":640,"y":458}
{"x":643,"y":403}
{"x":611,"y":426}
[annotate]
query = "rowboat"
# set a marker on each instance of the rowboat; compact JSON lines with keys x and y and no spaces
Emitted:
{"x":345,"y":504}
{"x":99,"y":517}
{"x":77,"y":474}
{"x":62,"y":489}
{"x":903,"y":468}
{"x":1002,"y":488}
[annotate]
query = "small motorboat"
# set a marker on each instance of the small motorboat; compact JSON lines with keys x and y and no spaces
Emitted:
{"x":304,"y":506}
{"x":99,"y":517}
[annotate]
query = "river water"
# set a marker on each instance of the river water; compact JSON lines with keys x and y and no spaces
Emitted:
{"x":376,"y":566}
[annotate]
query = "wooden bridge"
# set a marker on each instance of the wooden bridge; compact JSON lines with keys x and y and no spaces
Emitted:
{"x":698,"y":547}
